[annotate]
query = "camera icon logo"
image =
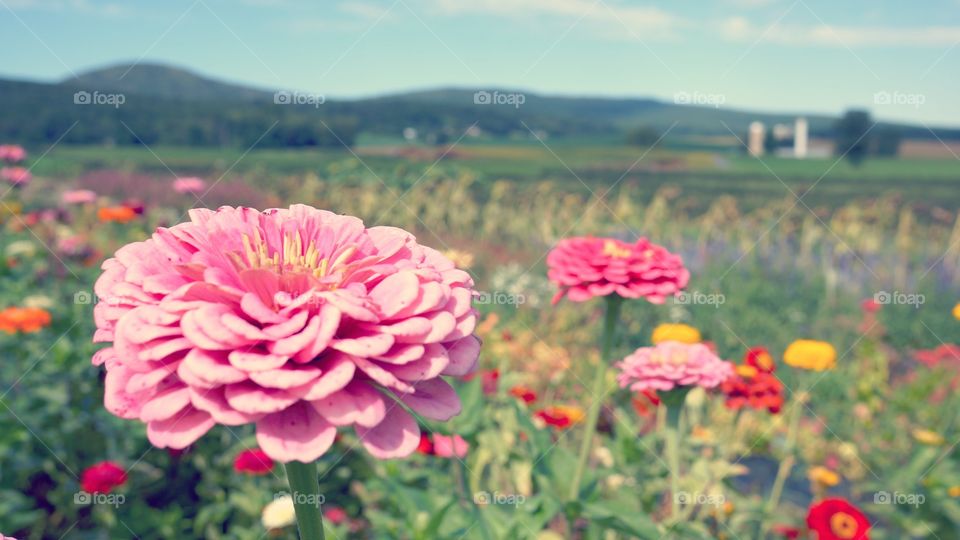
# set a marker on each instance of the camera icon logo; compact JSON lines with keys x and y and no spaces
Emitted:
{"x":682,"y":497}
{"x":481,"y":498}
{"x":282,"y":97}
{"x":82,"y":497}
{"x":82,"y":297}
{"x":82,"y":98}
{"x":882,"y":98}
{"x":882,"y":497}
{"x":482,"y":97}
{"x":681,"y":98}
{"x":882,"y":297}
{"x":682,"y":297}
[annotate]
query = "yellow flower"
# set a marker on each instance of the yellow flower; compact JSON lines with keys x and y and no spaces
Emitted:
{"x":823,"y":476}
{"x":925,"y":436}
{"x":956,"y":311}
{"x":675,"y":332}
{"x":954,"y":491}
{"x":279,"y":513}
{"x":811,"y":354}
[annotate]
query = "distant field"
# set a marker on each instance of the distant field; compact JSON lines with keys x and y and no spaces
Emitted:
{"x":699,"y":174}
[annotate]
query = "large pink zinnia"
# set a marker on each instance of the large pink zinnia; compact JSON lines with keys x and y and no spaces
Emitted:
{"x":585,"y":267}
{"x":671,"y":364}
{"x":298,"y":320}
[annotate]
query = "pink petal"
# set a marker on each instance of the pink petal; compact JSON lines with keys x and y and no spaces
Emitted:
{"x":297,"y":433}
{"x":434,"y":399}
{"x":357,"y":403}
{"x":181,"y":430}
{"x":396,"y":436}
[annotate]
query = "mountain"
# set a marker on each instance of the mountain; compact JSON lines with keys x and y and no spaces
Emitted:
{"x":157,"y":80}
{"x":173,"y":106}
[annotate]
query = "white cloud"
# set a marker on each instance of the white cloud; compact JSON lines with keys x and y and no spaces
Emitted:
{"x":740,"y":29}
{"x":607,"y":16}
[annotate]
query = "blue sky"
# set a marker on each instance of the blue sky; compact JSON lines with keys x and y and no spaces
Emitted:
{"x":777,"y":55}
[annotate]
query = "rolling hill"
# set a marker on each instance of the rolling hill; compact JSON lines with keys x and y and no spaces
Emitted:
{"x":170,"y":105}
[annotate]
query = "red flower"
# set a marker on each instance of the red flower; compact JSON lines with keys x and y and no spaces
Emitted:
{"x":786,"y":531}
{"x":522,"y":392}
{"x":425,"y":447}
{"x":254,"y":462}
{"x":335,"y":515}
{"x":837,"y":519}
{"x":560,"y":416}
{"x":759,"y":358}
{"x":645,"y":402}
{"x":870,"y":305}
{"x":102,"y":477}
{"x":752,"y":388}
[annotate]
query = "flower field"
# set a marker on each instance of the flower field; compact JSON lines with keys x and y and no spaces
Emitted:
{"x":465,"y":354}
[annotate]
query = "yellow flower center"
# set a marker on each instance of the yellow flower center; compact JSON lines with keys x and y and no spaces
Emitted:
{"x":292,"y":259}
{"x":747,"y":372}
{"x":843,"y":525}
{"x":612,"y":248}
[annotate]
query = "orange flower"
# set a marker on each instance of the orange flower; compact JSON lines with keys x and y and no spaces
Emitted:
{"x":522,"y":392}
{"x":119,"y":214}
{"x":15,"y":319}
{"x":759,"y":357}
{"x":560,"y":416}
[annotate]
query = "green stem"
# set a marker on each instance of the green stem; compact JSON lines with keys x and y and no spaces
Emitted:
{"x":673,"y":402}
{"x":786,"y":464}
{"x":599,"y":382}
{"x":461,"y":472}
{"x":305,"y":490}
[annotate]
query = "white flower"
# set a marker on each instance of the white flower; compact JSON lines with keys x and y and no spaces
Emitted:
{"x":279,"y":513}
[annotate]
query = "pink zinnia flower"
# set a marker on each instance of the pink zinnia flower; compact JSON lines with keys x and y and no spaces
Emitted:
{"x":255,"y":462}
{"x":586,"y":267}
{"x":12,"y":153}
{"x":298,"y":320}
{"x":450,"y":446}
{"x":671,"y":364}
{"x":17,"y":176}
{"x":189,"y":185}
{"x":79,"y":196}
{"x":2,"y":537}
{"x":102,"y":477}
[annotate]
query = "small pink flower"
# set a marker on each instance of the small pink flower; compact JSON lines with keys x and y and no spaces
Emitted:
{"x":189,"y":185}
{"x":671,"y":364}
{"x":12,"y":153}
{"x":79,"y":196}
{"x":17,"y":176}
{"x":450,"y":446}
{"x":2,"y":537}
{"x":297,"y":320}
{"x":587,"y":267}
